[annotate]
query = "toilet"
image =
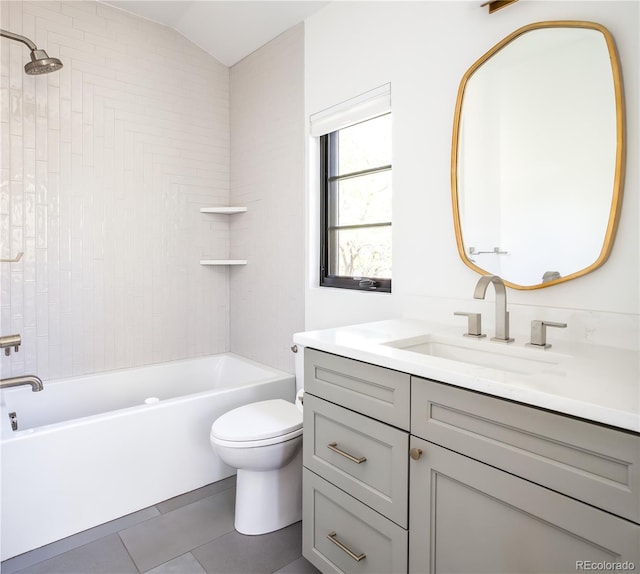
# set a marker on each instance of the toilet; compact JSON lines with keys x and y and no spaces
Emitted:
{"x":263,"y":440}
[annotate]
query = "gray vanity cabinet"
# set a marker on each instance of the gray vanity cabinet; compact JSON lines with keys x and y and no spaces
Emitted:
{"x":501,"y":487}
{"x":467,"y":516}
{"x":404,"y":474}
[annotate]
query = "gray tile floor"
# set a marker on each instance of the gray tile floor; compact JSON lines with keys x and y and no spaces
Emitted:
{"x":189,"y":534}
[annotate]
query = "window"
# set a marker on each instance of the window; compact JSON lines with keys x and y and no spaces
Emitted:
{"x":355,"y":171}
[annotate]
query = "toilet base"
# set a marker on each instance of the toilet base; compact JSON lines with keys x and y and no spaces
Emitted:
{"x":269,"y":500}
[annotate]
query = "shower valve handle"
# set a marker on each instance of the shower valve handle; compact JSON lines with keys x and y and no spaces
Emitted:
{"x":10,"y":341}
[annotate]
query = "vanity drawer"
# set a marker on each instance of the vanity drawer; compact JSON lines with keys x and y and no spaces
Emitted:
{"x":374,"y":391}
{"x":595,"y":464}
{"x":366,"y":458}
{"x":340,"y":534}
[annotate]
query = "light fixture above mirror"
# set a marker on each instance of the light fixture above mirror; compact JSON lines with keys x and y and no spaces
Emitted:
{"x":538,"y":155}
{"x":495,"y":5}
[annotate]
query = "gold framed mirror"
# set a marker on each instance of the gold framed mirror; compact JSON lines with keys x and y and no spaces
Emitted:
{"x":538,"y":155}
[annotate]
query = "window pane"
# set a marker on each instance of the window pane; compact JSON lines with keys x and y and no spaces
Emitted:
{"x":362,"y":252}
{"x":363,"y":199}
{"x":365,"y":145}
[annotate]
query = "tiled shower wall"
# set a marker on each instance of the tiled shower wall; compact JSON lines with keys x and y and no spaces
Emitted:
{"x":267,"y":175}
{"x":104,"y":167}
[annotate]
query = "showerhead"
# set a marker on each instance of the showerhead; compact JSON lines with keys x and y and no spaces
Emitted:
{"x":40,"y":63}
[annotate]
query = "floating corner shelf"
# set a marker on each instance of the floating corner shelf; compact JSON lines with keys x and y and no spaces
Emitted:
{"x":223,"y":209}
{"x":223,"y":261}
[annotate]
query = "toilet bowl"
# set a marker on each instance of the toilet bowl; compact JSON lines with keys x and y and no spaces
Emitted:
{"x":263,"y":441}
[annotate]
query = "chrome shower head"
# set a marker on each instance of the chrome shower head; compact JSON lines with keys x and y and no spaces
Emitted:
{"x":40,"y":63}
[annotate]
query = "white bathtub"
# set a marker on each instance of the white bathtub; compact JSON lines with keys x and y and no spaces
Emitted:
{"x":88,"y":449}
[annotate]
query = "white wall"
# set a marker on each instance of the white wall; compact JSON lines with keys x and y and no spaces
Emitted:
{"x":105,"y":164}
{"x":267,"y":175}
{"x":423,"y":49}
{"x":104,"y":167}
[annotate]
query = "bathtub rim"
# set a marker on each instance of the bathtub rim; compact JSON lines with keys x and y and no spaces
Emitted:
{"x":273,"y":374}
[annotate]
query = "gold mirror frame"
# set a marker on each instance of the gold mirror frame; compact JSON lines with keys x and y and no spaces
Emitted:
{"x":616,"y":202}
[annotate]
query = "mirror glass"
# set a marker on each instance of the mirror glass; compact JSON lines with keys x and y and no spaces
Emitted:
{"x":538,"y":152}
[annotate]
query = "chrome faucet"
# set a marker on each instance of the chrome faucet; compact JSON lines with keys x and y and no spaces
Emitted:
{"x":35,"y":382}
{"x":502,"y":316}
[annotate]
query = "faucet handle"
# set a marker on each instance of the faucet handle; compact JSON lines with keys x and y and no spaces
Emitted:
{"x":539,"y":333}
{"x":474,"y":324}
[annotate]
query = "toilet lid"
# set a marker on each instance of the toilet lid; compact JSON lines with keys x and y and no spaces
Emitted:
{"x":258,"y":421}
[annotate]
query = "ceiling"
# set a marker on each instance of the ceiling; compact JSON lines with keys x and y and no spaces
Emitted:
{"x":229,"y":30}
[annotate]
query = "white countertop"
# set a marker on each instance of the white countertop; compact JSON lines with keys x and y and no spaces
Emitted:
{"x":596,"y":383}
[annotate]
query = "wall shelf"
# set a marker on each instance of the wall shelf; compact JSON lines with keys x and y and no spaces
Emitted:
{"x":222,"y":209}
{"x":223,"y":261}
{"x":229,"y":209}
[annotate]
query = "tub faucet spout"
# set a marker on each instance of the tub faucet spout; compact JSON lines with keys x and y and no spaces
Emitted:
{"x":502,"y":316}
{"x":35,"y":382}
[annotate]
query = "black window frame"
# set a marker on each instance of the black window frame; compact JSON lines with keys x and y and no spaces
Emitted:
{"x":329,"y":176}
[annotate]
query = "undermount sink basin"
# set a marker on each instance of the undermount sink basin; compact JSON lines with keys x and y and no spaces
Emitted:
{"x":481,"y":353}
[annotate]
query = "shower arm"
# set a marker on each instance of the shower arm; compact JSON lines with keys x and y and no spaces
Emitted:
{"x":28,"y":43}
{"x":41,"y":62}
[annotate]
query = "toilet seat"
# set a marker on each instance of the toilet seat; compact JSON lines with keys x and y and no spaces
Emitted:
{"x":258,"y":424}
{"x":255,"y":443}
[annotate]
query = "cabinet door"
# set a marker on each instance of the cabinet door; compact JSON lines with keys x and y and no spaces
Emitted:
{"x":589,"y":462}
{"x":466,"y":516}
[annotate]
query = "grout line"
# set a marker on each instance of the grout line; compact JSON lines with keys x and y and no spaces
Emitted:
{"x":179,"y":509}
{"x":198,"y":561}
{"x":128,"y":553}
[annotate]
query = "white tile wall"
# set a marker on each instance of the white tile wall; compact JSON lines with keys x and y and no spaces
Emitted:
{"x":104,"y":167}
{"x":267,"y":175}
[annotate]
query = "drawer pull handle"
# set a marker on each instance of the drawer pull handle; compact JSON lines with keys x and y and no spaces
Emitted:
{"x":357,"y":557}
{"x":334,"y":447}
{"x":415,"y":453}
